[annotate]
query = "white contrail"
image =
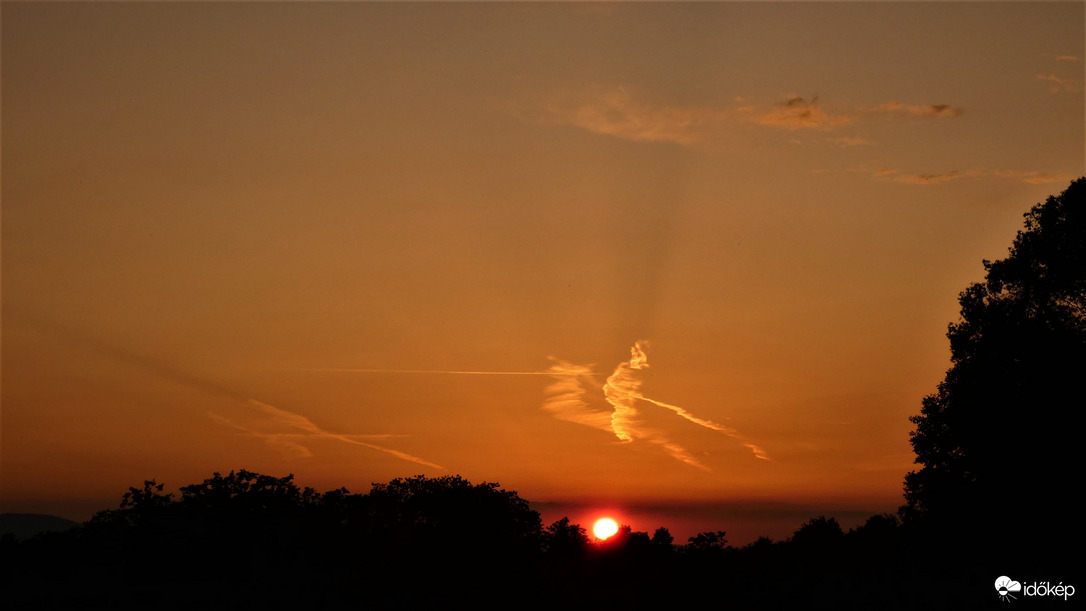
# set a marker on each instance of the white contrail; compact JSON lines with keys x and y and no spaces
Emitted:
{"x":566,"y":396}
{"x":440,"y":371}
{"x":625,"y":386}
{"x":301,"y":422}
{"x":622,"y":391}
{"x":727,"y":430}
{"x":679,"y":453}
{"x":284,"y":443}
{"x":287,"y":444}
{"x":566,"y":400}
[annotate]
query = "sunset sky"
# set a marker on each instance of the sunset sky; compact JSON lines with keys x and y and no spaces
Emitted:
{"x":689,"y":264}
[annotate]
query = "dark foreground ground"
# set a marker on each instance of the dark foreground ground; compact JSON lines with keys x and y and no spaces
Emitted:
{"x":248,"y":541}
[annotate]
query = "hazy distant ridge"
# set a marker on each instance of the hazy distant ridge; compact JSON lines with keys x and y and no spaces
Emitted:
{"x":26,"y":525}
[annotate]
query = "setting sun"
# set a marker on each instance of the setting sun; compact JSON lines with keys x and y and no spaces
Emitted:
{"x":604,"y":528}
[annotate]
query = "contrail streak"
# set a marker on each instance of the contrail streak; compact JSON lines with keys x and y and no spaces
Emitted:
{"x":283,"y":442}
{"x":549,"y":372}
{"x":566,"y":396}
{"x":286,"y":442}
{"x":679,"y":453}
{"x":622,"y":391}
{"x":727,"y":430}
{"x":305,"y":424}
{"x":178,"y":375}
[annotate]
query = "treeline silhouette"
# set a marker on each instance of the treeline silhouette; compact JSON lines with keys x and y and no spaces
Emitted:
{"x":247,"y":540}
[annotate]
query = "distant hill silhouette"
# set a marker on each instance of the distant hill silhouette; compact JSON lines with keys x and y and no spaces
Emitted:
{"x":26,"y":525}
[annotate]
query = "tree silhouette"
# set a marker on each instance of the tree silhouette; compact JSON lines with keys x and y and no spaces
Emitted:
{"x":251,"y":541}
{"x":245,"y":490}
{"x":436,"y":510}
{"x":996,"y":440}
{"x":138,"y":505}
{"x":663,"y":539}
{"x":818,"y":533}
{"x":564,"y":539}
{"x":707,"y":542}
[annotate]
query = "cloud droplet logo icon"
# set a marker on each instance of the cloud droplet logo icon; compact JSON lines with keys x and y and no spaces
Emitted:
{"x":1005,"y":585}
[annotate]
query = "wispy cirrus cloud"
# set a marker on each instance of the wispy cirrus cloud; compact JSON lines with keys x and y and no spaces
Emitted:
{"x":623,"y":113}
{"x":1060,"y":84}
{"x":938,"y":111}
{"x":285,"y":443}
{"x":848,"y":141}
{"x":618,"y":112}
{"x":926,"y":179}
{"x":1031,"y":177}
{"x":299,"y":429}
{"x":800,"y":113}
{"x":567,"y":398}
{"x":1034,"y":178}
{"x":430,"y":371}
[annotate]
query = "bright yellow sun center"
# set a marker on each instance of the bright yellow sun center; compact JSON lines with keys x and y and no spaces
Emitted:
{"x":604,"y":527}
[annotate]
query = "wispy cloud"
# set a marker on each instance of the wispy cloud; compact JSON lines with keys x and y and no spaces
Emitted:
{"x":800,"y":113}
{"x":567,"y":399}
{"x":1059,"y":84}
{"x":300,"y":429}
{"x":432,"y":371}
{"x":285,"y":443}
{"x":709,"y":424}
{"x":1031,"y":177}
{"x":938,"y":111}
{"x":624,"y":113}
{"x":1062,"y":83}
{"x":622,"y":391}
{"x":848,"y":141}
{"x":617,"y":112}
{"x":565,"y":396}
{"x":1034,"y":178}
{"x":926,"y":179}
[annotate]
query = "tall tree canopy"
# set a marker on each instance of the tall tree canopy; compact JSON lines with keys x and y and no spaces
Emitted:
{"x":997,"y":440}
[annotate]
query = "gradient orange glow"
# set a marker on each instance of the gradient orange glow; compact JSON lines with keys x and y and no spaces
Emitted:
{"x":693,"y":262}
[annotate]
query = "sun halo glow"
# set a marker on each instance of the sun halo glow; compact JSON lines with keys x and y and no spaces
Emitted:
{"x":604,"y":528}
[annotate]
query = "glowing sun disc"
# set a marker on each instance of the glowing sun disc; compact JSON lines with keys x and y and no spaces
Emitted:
{"x":604,"y":527}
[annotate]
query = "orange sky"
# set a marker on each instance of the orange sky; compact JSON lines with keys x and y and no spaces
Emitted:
{"x":300,"y":238}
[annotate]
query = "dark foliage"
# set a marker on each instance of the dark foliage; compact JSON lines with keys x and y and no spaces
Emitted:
{"x":707,"y":542}
{"x":247,"y":540}
{"x":998,"y":438}
{"x":564,"y":539}
{"x":819,"y":533}
{"x":662,"y":538}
